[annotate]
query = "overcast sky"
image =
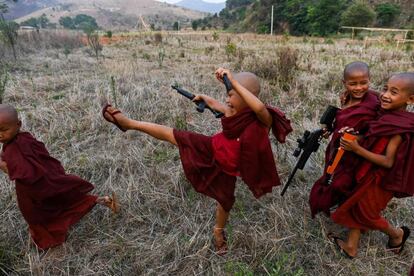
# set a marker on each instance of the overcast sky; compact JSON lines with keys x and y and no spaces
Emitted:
{"x":211,"y":1}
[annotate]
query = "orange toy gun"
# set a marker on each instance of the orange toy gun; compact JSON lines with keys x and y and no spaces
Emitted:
{"x":331,"y":168}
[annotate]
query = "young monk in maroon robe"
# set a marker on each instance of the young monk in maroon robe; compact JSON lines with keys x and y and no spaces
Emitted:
{"x":50,"y":200}
{"x":359,"y":105}
{"x":387,"y":172}
{"x":211,"y":164}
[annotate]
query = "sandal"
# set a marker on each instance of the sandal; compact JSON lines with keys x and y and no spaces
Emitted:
{"x":397,"y":249}
{"x":221,"y":243}
{"x":110,"y":202}
{"x":112,"y":115}
{"x":334,"y":239}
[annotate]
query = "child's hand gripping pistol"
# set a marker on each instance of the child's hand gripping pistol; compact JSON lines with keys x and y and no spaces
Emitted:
{"x":331,"y":168}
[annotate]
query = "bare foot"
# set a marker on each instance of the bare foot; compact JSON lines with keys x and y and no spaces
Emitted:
{"x":115,"y":116}
{"x":111,"y":203}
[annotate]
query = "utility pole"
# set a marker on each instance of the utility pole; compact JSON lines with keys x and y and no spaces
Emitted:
{"x":271,"y":24}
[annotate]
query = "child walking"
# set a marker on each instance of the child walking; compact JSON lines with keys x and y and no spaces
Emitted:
{"x":386,"y":172}
{"x":359,"y":104}
{"x":50,"y":200}
{"x":242,"y":149}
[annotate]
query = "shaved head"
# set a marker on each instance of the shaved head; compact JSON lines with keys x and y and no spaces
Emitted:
{"x":356,"y":68}
{"x":249,"y":81}
{"x":406,"y":80}
{"x":7,"y":112}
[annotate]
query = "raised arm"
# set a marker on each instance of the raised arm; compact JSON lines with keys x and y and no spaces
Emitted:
{"x":386,"y":161}
{"x":248,"y":97}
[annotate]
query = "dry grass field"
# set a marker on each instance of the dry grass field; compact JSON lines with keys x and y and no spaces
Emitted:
{"x":165,"y":227}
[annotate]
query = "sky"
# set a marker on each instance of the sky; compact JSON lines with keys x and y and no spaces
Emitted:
{"x":175,"y":1}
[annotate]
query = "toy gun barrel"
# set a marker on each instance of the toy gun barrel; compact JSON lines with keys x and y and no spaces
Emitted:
{"x":201,"y":105}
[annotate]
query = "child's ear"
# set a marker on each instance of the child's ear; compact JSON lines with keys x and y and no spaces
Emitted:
{"x":19,"y":123}
{"x":410,"y":100}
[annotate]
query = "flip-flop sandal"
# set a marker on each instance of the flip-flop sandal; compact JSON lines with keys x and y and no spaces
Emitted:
{"x":114,"y":120}
{"x":221,"y":247}
{"x":334,"y":239}
{"x":397,"y":249}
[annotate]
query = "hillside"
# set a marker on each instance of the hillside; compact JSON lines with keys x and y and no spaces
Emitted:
{"x":200,"y":5}
{"x":112,"y":14}
{"x":307,"y":17}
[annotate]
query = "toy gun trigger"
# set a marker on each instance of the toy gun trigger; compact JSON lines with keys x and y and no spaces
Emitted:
{"x":201,"y":106}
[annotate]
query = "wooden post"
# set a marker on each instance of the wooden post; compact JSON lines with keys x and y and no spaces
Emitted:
{"x":271,"y":24}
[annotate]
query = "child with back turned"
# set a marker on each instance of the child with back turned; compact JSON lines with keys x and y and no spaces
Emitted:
{"x":243,"y":149}
{"x":49,"y":199}
{"x":385,"y":170}
{"x":359,"y":104}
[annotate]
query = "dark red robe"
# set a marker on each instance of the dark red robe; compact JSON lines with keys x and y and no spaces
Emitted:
{"x":322,"y":196}
{"x":376,"y":186}
{"x":50,"y":200}
{"x":256,"y":165}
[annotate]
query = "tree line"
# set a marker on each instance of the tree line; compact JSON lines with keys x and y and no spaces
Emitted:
{"x":305,"y":17}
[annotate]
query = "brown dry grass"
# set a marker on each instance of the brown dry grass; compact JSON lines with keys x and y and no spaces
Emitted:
{"x":165,"y":228}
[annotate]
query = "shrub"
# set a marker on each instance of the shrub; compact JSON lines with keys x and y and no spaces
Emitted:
{"x":108,"y":34}
{"x":386,"y":14}
{"x":94,"y":43}
{"x":358,"y":14}
{"x":157,"y":38}
{"x":215,"y":36}
{"x":230,"y":50}
{"x":4,"y":77}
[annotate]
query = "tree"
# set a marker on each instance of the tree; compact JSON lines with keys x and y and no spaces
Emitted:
{"x":386,"y":14}
{"x":43,"y":21}
{"x":194,"y":25}
{"x":176,"y":26}
{"x":359,"y":15}
{"x":324,"y":17}
{"x":296,"y":12}
{"x":83,"y":19}
{"x":32,"y":22}
{"x":67,"y":22}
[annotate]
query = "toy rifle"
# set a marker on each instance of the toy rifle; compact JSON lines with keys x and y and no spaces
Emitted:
{"x":310,"y":142}
{"x":201,"y":105}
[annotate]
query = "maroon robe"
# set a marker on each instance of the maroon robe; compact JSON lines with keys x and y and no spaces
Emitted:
{"x":257,"y":166}
{"x":322,"y":196}
{"x":50,"y":200}
{"x":376,"y":186}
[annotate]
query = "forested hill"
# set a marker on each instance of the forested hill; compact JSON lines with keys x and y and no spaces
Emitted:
{"x":312,"y":17}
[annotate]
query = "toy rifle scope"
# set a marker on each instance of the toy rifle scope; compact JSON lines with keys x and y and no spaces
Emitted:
{"x":310,"y":142}
{"x":201,"y":105}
